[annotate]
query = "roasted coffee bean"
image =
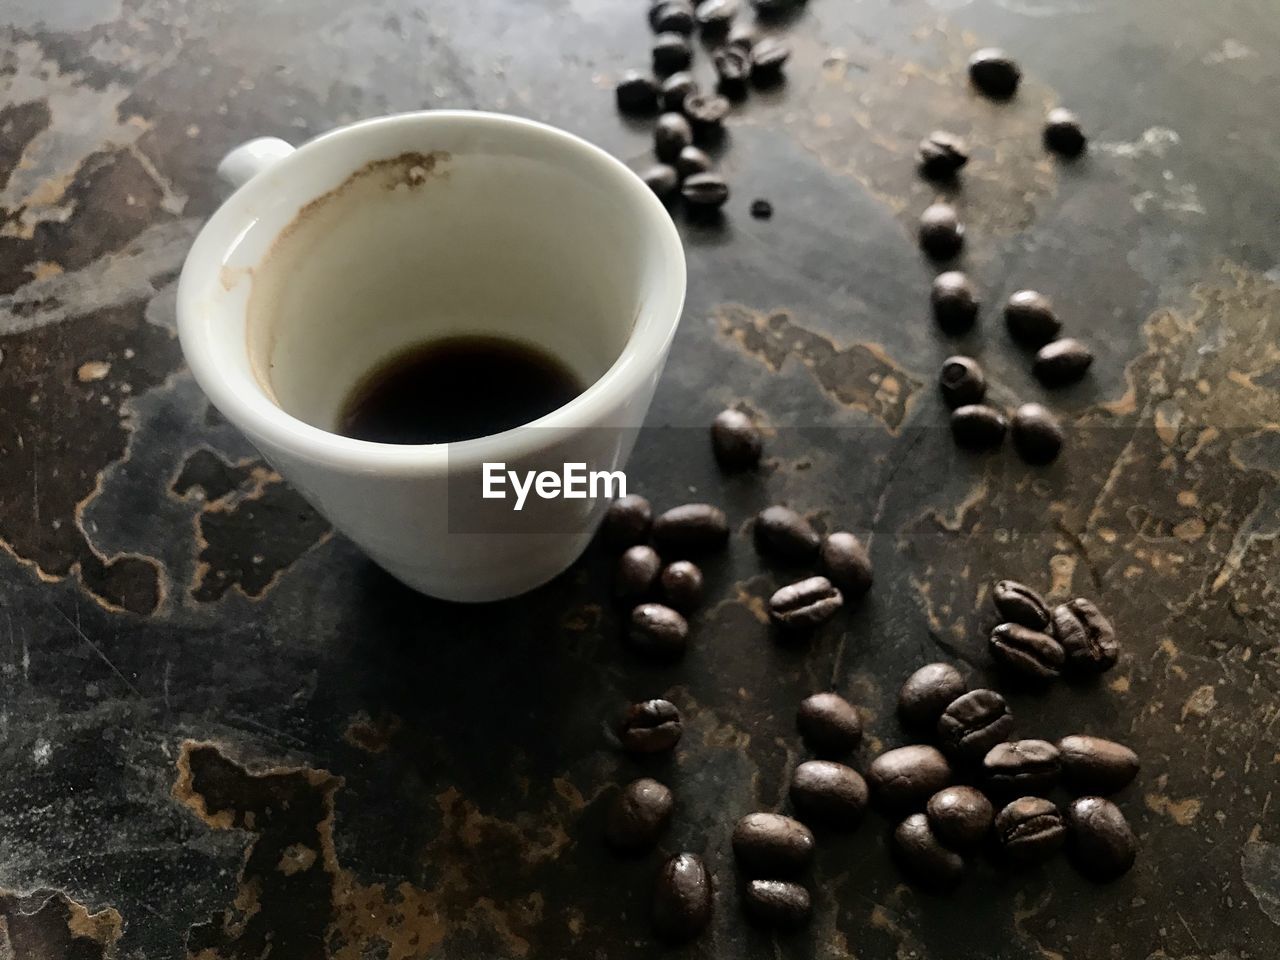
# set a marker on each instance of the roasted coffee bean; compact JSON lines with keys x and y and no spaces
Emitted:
{"x":1062,"y":361}
{"x":960,"y":817}
{"x":1030,"y":318}
{"x":769,"y":9}
{"x":673,"y":16}
{"x":706,"y":111}
{"x":636,"y":572}
{"x":761,"y":209}
{"x":691,"y":529}
{"x":1095,"y":765}
{"x":627,"y":521}
{"x":955,"y":302}
{"x":978,"y":426}
{"x":1031,"y":654}
{"x":1036,"y":433}
{"x":1099,"y":840}
{"x":705,"y":191}
{"x":1086,"y":635}
{"x":671,"y":52}
{"x":658,"y":631}
{"x":714,"y":16}
{"x":692,"y":160}
{"x":804,"y":605}
{"x":639,"y":815}
{"x":651,"y":726}
{"x":923,"y":858}
{"x":671,"y":135}
{"x":682,"y":898}
{"x":771,"y":845}
{"x":941,"y":155}
{"x":681,"y":585}
{"x":829,"y":793}
{"x":928,"y":692}
{"x":995,"y":73}
{"x":962,"y":382}
{"x":662,"y":179}
{"x":1018,"y":603}
{"x":743,"y":36}
{"x":941,"y":232}
{"x":676,"y":91}
{"x":1030,"y":829}
{"x":733,"y":66}
{"x":829,"y":723}
{"x":735,"y":440}
{"x":905,"y":778}
{"x":636,"y":93}
{"x":847,"y":564}
{"x":1022,"y":768}
{"x":973,"y":723}
{"x":768,"y":58}
{"x":1062,"y":133}
{"x":777,"y":903}
{"x":782,"y":533}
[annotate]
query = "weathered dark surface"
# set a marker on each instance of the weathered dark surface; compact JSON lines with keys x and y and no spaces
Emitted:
{"x":225,"y":733}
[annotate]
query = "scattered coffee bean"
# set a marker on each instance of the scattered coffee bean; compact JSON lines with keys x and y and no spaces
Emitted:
{"x":782,"y":533}
{"x":955,"y":302}
{"x":1037,"y":435}
{"x":658,"y":631}
{"x":639,"y":815}
{"x":960,"y":817}
{"x":1022,"y":768}
{"x":691,"y":529}
{"x":928,"y":692}
{"x":1030,"y":318}
{"x":923,"y":858}
{"x":769,"y":9}
{"x":1062,"y":361}
{"x":636,"y":93}
{"x":995,"y":73}
{"x":768,"y":58}
{"x":735,"y":440}
{"x":978,"y":426}
{"x":777,"y":903}
{"x":714,"y":16}
{"x":671,"y":135}
{"x":681,"y":585}
{"x":635,"y":575}
{"x":1100,"y":842}
{"x":676,"y":91}
{"x":673,"y":16}
{"x":941,"y":155}
{"x":829,"y":793}
{"x":651,"y":726}
{"x":804,"y":605}
{"x":1086,"y":635}
{"x":941,"y":232}
{"x":962,"y":382}
{"x":743,"y":36}
{"x":1030,"y":654}
{"x":671,"y":52}
{"x":905,"y":778}
{"x":692,"y":160}
{"x":829,"y":723}
{"x":733,"y":66}
{"x":1062,"y":133}
{"x":1018,"y":603}
{"x":761,"y":209}
{"x":705,"y":191}
{"x":706,"y":111}
{"x":847,"y":564}
{"x":1030,"y":829}
{"x":662,"y":179}
{"x":769,"y":844}
{"x":627,"y":521}
{"x":682,"y":898}
{"x":973,"y":723}
{"x":1095,"y":765}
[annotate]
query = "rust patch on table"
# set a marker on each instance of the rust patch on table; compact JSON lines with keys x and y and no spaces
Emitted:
{"x":49,"y":925}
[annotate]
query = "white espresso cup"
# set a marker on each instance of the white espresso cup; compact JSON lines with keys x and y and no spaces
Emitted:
{"x":332,"y":257}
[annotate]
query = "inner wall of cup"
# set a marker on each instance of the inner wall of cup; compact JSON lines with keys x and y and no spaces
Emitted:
{"x":421,"y":247}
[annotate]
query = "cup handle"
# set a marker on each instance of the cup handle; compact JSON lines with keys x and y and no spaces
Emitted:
{"x":251,"y":158}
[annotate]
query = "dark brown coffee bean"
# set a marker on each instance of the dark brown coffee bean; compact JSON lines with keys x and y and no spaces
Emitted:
{"x":673,"y":16}
{"x":683,"y":897}
{"x":925,"y":861}
{"x":705,"y":191}
{"x":1030,"y":654}
{"x":636,"y":93}
{"x":1036,"y":433}
{"x":1030,"y":318}
{"x":973,"y":723}
{"x":714,"y":16}
{"x":639,"y":815}
{"x":671,"y":135}
{"x":1095,"y":765}
{"x":1030,"y":830}
{"x":1022,"y":768}
{"x":627,"y":521}
{"x":635,"y":575}
{"x":662,"y":179}
{"x":782,"y":533}
{"x":771,"y":845}
{"x":671,"y":52}
{"x":962,"y":382}
{"x":658,"y":631}
{"x":1062,"y":361}
{"x":905,"y":778}
{"x":777,"y":903}
{"x":977,"y":426}
{"x":761,"y":209}
{"x":928,"y":692}
{"x":768,"y":58}
{"x":847,"y":564}
{"x":676,"y":91}
{"x":960,"y":817}
{"x":743,"y":36}
{"x":733,"y":66}
{"x":805,"y":604}
{"x":1062,"y":133}
{"x":651,"y":726}
{"x":771,"y":9}
{"x":706,"y":111}
{"x":1099,"y":840}
{"x":829,"y":793}
{"x":1018,"y":603}
{"x":691,"y":529}
{"x":1086,"y":635}
{"x":995,"y":73}
{"x":941,"y":232}
{"x":829,"y":723}
{"x":955,"y":302}
{"x":681,"y":585}
{"x":692,"y":160}
{"x":941,"y":155}
{"x":735,"y":440}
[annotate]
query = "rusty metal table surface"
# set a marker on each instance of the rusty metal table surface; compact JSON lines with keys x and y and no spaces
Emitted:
{"x":225,"y":734}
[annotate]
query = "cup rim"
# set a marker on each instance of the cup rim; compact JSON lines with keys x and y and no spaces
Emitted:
{"x":258,"y":416}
